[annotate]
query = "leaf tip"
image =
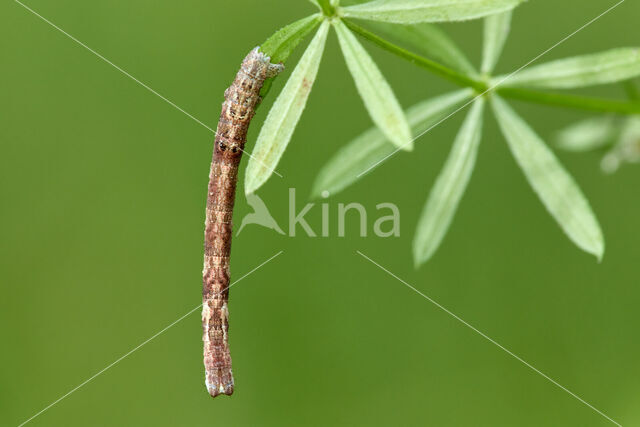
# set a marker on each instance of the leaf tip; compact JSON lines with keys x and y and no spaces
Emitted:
{"x":599,"y":252}
{"x":419,"y":260}
{"x":408,"y":147}
{"x":420,"y":256}
{"x":416,"y":261}
{"x":401,"y":137}
{"x":315,"y":192}
{"x":250,"y":183}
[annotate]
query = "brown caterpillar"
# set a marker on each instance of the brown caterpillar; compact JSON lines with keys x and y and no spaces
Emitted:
{"x":238,"y":108}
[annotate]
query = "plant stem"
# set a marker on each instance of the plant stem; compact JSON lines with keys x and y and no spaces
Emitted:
{"x":632,"y":90}
{"x":546,"y":98}
{"x":571,"y":101}
{"x":436,"y":68}
{"x":327,"y":8}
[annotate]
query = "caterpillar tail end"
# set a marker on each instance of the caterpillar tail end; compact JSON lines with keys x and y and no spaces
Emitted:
{"x":217,"y":384}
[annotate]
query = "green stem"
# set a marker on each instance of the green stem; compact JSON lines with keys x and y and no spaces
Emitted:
{"x":571,"y":101}
{"x":327,"y":8}
{"x":545,"y":98}
{"x":436,"y":68}
{"x":632,"y":90}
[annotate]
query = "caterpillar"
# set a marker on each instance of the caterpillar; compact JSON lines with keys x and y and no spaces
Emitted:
{"x":238,"y":108}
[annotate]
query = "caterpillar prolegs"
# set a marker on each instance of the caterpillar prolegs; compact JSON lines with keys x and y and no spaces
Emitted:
{"x":238,"y":108}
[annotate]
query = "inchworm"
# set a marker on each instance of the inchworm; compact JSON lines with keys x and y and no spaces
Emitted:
{"x":238,"y":108}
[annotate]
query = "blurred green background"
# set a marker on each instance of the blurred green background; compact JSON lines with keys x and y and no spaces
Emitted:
{"x":103,"y":191}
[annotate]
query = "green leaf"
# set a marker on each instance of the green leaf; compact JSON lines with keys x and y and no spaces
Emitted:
{"x":381,"y":103}
{"x":327,"y":6}
{"x":370,"y":147}
{"x":282,"y":43}
{"x":284,"y":114}
{"x":449,"y":187}
{"x":589,"y":134}
{"x":580,"y":71}
{"x":626,"y":148}
{"x":554,"y":186}
{"x":431,"y":41}
{"x":414,"y":11}
{"x":496,"y":30}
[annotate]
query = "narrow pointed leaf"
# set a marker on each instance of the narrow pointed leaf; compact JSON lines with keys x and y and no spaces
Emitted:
{"x":496,"y":30}
{"x":554,"y":186}
{"x":449,"y":187}
{"x":431,"y":41}
{"x":379,"y":99}
{"x":588,"y":134}
{"x":284,"y":114}
{"x":282,"y":43}
{"x":580,"y":71}
{"x":414,"y":11}
{"x":371,"y":147}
